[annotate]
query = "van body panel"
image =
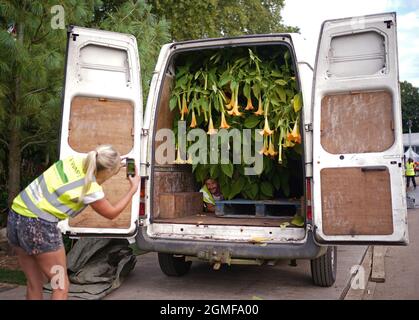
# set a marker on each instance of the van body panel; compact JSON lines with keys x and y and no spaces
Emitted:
{"x":102,"y":104}
{"x":358,"y":185}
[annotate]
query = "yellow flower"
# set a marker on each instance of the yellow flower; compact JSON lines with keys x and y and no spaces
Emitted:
{"x":288,"y":143}
{"x":178,"y":158}
{"x":266,"y":130}
{"x":271,"y":149}
{"x":211,"y":129}
{"x":184,"y":107}
{"x":193,"y":122}
{"x":295,"y":134}
{"x":235,"y":111}
{"x":249,"y":105}
{"x":224,"y":124}
{"x":264,"y":150}
{"x":260,"y":111}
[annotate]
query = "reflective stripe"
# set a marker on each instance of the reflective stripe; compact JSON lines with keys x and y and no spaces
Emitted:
{"x":35,"y":210}
{"x":53,"y":199}
{"x":72,"y":185}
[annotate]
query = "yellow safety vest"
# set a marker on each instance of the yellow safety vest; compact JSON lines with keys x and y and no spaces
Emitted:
{"x":54,"y":195}
{"x":410,"y":169}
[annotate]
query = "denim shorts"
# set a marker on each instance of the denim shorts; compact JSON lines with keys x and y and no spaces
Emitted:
{"x":33,"y":235}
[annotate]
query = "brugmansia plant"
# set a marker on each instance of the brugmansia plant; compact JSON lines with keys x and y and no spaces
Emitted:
{"x":239,"y":89}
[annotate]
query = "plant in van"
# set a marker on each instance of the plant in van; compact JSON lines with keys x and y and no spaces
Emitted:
{"x":222,"y":91}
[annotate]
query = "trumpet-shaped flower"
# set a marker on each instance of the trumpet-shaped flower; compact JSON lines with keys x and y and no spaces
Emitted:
{"x":211,"y":129}
{"x":264,"y":150}
{"x":260,"y":110}
{"x":266,"y":130}
{"x":193,"y":122}
{"x":249,"y":105}
{"x":271,"y":150}
{"x":179,"y":159}
{"x":184,"y":108}
{"x":224,"y":124}
{"x":294,"y":135}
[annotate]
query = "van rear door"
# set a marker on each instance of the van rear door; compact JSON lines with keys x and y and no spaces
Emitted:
{"x":102,"y":105}
{"x":358,"y":186}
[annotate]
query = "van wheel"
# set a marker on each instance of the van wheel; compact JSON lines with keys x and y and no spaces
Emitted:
{"x":323,"y":269}
{"x":173,"y":266}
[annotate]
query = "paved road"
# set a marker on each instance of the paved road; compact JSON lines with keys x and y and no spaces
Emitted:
{"x":402,"y":265}
{"x":236,"y":282}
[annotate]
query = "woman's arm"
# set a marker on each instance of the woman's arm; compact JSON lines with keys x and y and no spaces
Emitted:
{"x":107,"y":210}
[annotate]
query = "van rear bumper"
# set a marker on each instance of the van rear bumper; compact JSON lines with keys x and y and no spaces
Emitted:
{"x":306,"y":250}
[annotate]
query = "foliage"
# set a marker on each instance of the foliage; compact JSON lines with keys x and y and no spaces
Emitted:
{"x":410,"y":106}
{"x":12,"y":276}
{"x":212,"y":91}
{"x":191,"y":19}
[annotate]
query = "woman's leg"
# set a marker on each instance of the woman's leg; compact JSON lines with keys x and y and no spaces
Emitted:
{"x":34,"y":276}
{"x":54,"y":265}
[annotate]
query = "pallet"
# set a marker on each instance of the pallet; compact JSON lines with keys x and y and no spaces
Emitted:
{"x":260,"y":207}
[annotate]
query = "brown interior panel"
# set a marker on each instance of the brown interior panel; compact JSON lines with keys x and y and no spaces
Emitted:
{"x":356,"y":202}
{"x":95,"y":121}
{"x":171,"y":179}
{"x":115,"y":188}
{"x":349,"y":122}
{"x":165,"y":116}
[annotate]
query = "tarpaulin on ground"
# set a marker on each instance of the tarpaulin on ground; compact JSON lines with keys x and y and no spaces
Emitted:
{"x":97,"y":266}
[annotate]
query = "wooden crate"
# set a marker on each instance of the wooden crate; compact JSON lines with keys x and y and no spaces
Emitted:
{"x":181,"y":204}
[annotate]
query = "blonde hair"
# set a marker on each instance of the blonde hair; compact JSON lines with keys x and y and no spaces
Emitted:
{"x":104,"y":157}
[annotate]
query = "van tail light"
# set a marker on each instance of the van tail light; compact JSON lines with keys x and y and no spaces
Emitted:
{"x":309,"y":210}
{"x":142,"y":198}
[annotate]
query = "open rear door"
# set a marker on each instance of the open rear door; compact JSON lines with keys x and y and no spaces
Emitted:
{"x":102,"y":105}
{"x":358,"y":186}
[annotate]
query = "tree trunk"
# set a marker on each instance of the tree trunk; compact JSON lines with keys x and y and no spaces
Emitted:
{"x":15,"y":156}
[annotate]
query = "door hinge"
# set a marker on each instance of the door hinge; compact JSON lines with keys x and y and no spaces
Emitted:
{"x":308,"y":127}
{"x":389,"y":23}
{"x":144,"y":132}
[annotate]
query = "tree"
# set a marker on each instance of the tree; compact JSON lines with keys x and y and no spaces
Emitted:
{"x":192,"y":19}
{"x":32,"y":68}
{"x":410,"y":106}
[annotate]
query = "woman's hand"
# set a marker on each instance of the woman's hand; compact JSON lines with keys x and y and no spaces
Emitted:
{"x":134,"y":181}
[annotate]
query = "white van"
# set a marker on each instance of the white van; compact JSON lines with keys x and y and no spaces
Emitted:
{"x":352,"y":176}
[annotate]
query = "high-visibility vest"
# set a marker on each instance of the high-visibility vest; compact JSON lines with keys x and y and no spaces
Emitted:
{"x":207,"y":196}
{"x":54,"y":195}
{"x":410,"y":169}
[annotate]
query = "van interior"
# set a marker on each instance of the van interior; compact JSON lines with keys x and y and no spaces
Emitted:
{"x":174,"y":181}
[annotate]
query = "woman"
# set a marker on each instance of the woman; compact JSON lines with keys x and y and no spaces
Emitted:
{"x":62,"y":191}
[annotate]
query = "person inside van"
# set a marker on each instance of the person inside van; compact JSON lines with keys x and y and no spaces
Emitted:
{"x":62,"y":191}
{"x":410,"y":173}
{"x":211,"y":193}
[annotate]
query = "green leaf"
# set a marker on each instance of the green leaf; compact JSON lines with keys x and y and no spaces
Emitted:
{"x":252,"y":190}
{"x":267,"y":189}
{"x":276,"y":180}
{"x":297,"y":102}
{"x":173,"y":103}
{"x":251,"y":122}
{"x":214,"y":171}
{"x":237,"y":187}
{"x":281,"y":82}
{"x":281,"y":93}
{"x":227,"y":169}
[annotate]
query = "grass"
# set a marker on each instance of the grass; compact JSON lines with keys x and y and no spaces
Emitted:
{"x":12,"y":276}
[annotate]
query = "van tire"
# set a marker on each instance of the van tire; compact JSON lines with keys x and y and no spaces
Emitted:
{"x":173,"y":266}
{"x":323,"y":269}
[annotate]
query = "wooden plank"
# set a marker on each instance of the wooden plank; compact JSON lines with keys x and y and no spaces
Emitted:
{"x":378,"y":273}
{"x":115,"y":188}
{"x":348,"y":205}
{"x":95,"y":121}
{"x":180,"y":204}
{"x":349,"y":122}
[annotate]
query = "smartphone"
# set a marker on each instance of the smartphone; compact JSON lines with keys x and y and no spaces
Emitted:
{"x":130,"y":167}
